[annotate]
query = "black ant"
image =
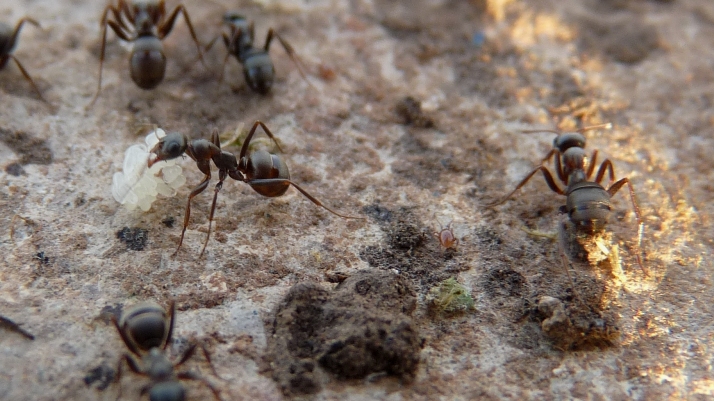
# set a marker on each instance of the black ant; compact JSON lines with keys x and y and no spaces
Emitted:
{"x":8,"y":41}
{"x":258,"y":68}
{"x":266,"y":173}
{"x":147,"y":330}
{"x":587,"y":202}
{"x":144,"y":23}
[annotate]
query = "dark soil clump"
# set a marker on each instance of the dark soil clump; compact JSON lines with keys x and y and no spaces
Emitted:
{"x":360,"y":328}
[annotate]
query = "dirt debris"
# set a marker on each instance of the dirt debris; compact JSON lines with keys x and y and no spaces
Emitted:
{"x":360,"y":328}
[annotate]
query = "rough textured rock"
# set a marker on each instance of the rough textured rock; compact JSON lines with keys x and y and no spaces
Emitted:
{"x":482,"y":71}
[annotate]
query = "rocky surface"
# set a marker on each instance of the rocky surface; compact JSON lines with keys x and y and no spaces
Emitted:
{"x":411,"y":116}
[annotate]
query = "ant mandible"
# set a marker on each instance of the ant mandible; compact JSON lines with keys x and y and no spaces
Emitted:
{"x":144,"y":23}
{"x":147,"y":330}
{"x":587,"y":202}
{"x":266,"y":173}
{"x":8,"y":41}
{"x":258,"y":68}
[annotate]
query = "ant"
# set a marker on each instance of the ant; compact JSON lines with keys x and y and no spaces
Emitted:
{"x":8,"y":41}
{"x":266,"y":173}
{"x":446,"y":237}
{"x":258,"y":68}
{"x":144,"y":23}
{"x":147,"y":330}
{"x":587,"y":202}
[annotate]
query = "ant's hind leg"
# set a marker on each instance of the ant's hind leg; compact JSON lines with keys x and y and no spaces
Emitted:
{"x":289,"y":50}
{"x":269,"y":182}
{"x":640,"y":223}
{"x":244,"y":149}
{"x":548,"y":179}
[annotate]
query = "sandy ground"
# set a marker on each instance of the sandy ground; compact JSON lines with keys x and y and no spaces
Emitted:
{"x":483,"y":72}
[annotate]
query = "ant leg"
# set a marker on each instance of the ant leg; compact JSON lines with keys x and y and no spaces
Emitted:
{"x":221,"y":177}
{"x":559,"y":167}
{"x":225,"y":59}
{"x":563,"y":257}
{"x":288,"y":49}
{"x":11,"y":45}
{"x":548,"y":179}
{"x":197,"y":190}
{"x":125,"y":8}
{"x":244,"y":149}
{"x":641,"y":225}
{"x":191,"y":350}
{"x":133,"y":366}
{"x":268,"y":182}
{"x":166,"y":28}
{"x":129,"y":344}
{"x":9,"y":324}
{"x":120,"y":33}
{"x":27,"y":77}
{"x":172,"y":313}
{"x":16,"y":32}
{"x":591,"y":168}
{"x":605,"y":166}
{"x":194,"y":376}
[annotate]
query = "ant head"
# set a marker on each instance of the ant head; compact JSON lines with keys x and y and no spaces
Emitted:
{"x":146,"y":325}
{"x":569,"y":140}
{"x":169,"y":147}
{"x":147,"y":62}
{"x":232,"y":17}
{"x":259,"y":73}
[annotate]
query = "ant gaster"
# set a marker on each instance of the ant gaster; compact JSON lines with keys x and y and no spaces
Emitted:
{"x":8,"y":41}
{"x":144,"y":23}
{"x":258,"y":68}
{"x":266,"y":173}
{"x":147,"y":330}
{"x":587,"y":202}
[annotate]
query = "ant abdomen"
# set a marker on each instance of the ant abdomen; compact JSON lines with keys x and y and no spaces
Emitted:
{"x":147,"y":62}
{"x":588,"y":205}
{"x":259,"y":73}
{"x":262,"y":165}
{"x":146,"y":325}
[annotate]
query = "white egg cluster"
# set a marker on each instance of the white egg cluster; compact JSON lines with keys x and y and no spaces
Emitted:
{"x":137,"y":185}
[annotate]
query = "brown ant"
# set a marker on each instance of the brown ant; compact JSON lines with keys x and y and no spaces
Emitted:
{"x":258,"y":68}
{"x":147,"y":330}
{"x":587,"y":202}
{"x":266,"y":173}
{"x":446,"y":237}
{"x":144,"y":23}
{"x":8,"y":41}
